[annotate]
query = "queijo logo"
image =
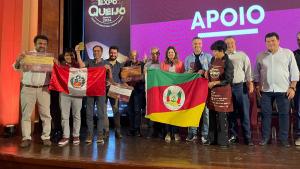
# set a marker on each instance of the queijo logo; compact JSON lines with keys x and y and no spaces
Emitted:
{"x":107,"y":13}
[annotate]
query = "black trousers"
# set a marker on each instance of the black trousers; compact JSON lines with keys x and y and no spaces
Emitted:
{"x":135,"y":106}
{"x":218,"y":128}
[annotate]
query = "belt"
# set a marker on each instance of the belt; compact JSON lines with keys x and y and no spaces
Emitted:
{"x":35,"y":86}
{"x":238,"y":84}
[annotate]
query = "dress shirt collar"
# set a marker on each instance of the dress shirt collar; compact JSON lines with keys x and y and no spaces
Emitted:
{"x":270,"y":53}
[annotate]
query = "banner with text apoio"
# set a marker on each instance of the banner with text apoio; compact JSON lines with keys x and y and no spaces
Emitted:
{"x":107,"y":23}
{"x":176,"y":22}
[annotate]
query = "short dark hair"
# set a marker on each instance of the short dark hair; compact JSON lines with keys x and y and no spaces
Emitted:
{"x":98,"y":46}
{"x":219,"y":45}
{"x":113,"y":47}
{"x":196,"y":37}
{"x":271,"y":34}
{"x":44,"y":37}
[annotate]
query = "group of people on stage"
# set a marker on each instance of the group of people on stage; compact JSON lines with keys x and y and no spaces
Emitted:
{"x":230,"y":77}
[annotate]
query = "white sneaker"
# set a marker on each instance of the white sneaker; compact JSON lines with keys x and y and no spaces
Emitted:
{"x":168,"y":137}
{"x":63,"y":141}
{"x":192,"y":138}
{"x":203,"y":140}
{"x":177,"y":137}
{"x":76,"y":140}
{"x":297,"y":142}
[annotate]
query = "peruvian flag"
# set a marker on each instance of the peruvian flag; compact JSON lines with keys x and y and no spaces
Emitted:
{"x":78,"y":82}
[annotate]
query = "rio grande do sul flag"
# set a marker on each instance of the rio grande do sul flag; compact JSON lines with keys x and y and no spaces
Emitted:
{"x":176,"y":99}
{"x":78,"y":82}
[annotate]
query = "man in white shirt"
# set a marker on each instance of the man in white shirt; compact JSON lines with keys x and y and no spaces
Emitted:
{"x":35,"y":90}
{"x":276,"y":76}
{"x":241,"y":85}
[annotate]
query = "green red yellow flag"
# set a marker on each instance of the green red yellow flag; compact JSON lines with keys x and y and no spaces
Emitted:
{"x":175,"y":98}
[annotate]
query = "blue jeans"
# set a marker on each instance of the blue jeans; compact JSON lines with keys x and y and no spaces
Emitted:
{"x":283,"y":105}
{"x":297,"y":107}
{"x":101,"y":113}
{"x":241,"y":109}
{"x":205,"y":124}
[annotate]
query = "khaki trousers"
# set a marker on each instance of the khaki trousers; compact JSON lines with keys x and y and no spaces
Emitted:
{"x":29,"y":97}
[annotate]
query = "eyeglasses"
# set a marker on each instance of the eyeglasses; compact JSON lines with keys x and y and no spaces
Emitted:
{"x":155,"y":53}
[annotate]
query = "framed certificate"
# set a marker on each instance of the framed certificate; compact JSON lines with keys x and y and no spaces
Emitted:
{"x":132,"y":73}
{"x":37,"y":62}
{"x":120,"y":91}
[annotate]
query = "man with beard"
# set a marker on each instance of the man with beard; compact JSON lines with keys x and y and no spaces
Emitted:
{"x":35,"y":89}
{"x":115,"y":70}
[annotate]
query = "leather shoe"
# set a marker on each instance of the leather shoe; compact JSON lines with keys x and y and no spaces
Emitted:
{"x":131,"y":133}
{"x":138,"y":133}
{"x":47,"y":142}
{"x":118,"y":135}
{"x":226,"y":146}
{"x":25,"y":143}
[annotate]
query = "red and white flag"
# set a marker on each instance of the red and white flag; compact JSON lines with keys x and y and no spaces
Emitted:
{"x":78,"y":82}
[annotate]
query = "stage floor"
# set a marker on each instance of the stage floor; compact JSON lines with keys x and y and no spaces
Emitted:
{"x":139,"y":152}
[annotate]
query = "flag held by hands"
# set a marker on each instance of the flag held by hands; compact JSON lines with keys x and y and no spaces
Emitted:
{"x":176,"y":99}
{"x":78,"y":82}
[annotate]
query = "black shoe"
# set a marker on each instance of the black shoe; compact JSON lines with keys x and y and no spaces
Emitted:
{"x":264,"y":142}
{"x":149,"y":135}
{"x":131,"y":133}
{"x":118,"y":135}
{"x":233,"y":140}
{"x":285,"y":144}
{"x":138,"y":133}
{"x":226,"y":146}
{"x":106,"y":135}
{"x":249,"y":142}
